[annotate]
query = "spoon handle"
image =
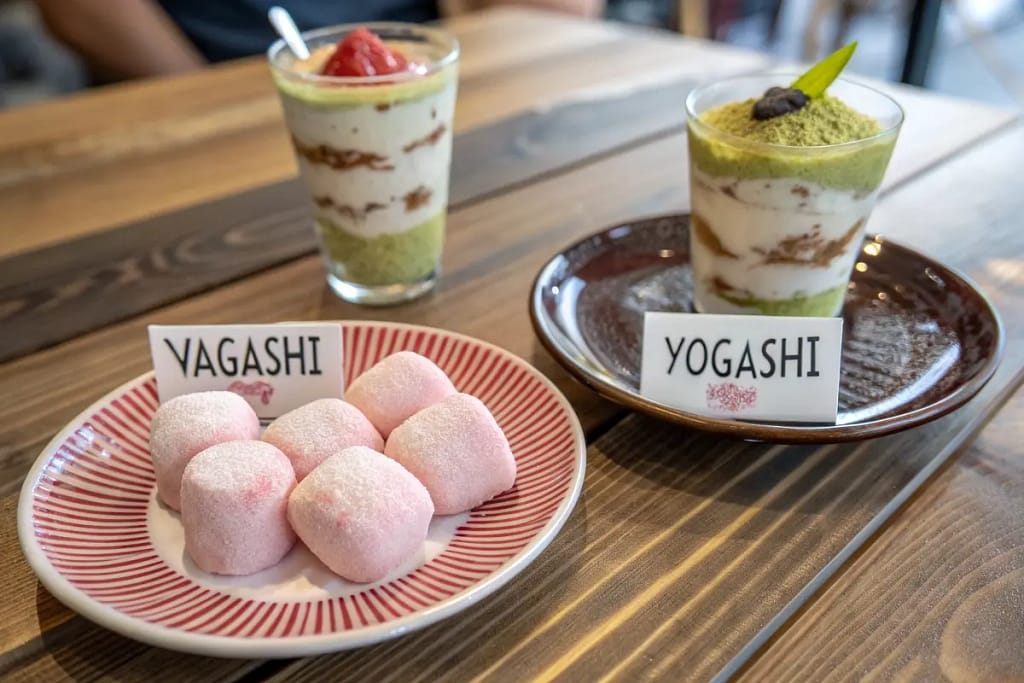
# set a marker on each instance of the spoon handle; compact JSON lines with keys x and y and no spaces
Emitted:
{"x":285,"y":25}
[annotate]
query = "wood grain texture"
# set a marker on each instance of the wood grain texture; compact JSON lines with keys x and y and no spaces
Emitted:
{"x":56,"y":292}
{"x":125,"y":153}
{"x":52,"y":293}
{"x":488,"y":271}
{"x":72,"y":648}
{"x":25,"y":613}
{"x":939,"y":594}
{"x":122,"y":153}
{"x":483,"y":292}
{"x":931,"y":565}
{"x":682,"y":548}
{"x":682,"y":612}
{"x":936,"y":128}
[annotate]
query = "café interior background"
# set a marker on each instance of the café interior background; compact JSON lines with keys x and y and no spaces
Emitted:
{"x":978,"y":53}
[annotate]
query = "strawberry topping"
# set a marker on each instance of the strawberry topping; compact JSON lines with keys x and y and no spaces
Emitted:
{"x":362,"y":53}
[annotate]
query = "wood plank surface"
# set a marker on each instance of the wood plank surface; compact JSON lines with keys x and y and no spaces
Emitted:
{"x":124,"y":153}
{"x":718,"y":547}
{"x":121,"y":153}
{"x":51,"y":294}
{"x":682,"y":548}
{"x":487,"y":271}
{"x":54,"y":292}
{"x":73,"y":648}
{"x":483,"y":293}
{"x":939,"y":595}
{"x":784,"y":495}
{"x":634,"y":89}
{"x":971,"y":203}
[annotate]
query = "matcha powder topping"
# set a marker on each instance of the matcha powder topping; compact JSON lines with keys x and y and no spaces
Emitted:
{"x":822,"y":121}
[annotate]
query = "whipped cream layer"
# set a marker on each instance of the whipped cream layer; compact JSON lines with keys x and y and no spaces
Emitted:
{"x":772,"y":240}
{"x":375,"y":158}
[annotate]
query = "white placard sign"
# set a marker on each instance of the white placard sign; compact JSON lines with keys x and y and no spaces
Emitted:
{"x":743,"y":367}
{"x":274,"y":367}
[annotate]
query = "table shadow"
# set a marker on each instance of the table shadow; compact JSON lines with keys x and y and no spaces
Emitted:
{"x":774,"y":476}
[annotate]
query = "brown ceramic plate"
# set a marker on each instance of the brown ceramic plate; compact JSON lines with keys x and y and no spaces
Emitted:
{"x":919,"y":339}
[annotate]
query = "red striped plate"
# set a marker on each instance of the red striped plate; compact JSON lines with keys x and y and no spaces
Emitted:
{"x":94,"y":534}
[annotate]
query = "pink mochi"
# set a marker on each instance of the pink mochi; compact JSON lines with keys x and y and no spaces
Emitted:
{"x":234,"y":503}
{"x":361,"y":513}
{"x":397,"y":387}
{"x":312,"y":433}
{"x":457,"y":450}
{"x":190,"y":423}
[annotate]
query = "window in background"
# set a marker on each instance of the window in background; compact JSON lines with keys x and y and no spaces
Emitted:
{"x":978,"y":50}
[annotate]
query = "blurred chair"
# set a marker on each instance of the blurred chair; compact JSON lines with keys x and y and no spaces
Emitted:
{"x":845,"y":11}
{"x":922,"y":29}
{"x":709,"y":18}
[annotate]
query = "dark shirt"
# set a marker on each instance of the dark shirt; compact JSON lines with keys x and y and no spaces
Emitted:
{"x":225,"y":29}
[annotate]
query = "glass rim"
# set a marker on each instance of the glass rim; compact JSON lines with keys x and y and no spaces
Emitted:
{"x":279,"y":46}
{"x":739,"y":141}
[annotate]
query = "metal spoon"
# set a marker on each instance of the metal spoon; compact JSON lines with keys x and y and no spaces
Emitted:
{"x":286,"y":28}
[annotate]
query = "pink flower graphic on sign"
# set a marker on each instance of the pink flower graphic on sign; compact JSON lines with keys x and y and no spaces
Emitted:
{"x":262,"y":389}
{"x":730,"y":398}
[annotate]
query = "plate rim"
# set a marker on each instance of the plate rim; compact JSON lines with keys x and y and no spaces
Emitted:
{"x":292,"y":646}
{"x":760,"y":431}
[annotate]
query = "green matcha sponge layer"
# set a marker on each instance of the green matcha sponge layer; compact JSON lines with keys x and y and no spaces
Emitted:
{"x":388,"y":259}
{"x":729,"y":141}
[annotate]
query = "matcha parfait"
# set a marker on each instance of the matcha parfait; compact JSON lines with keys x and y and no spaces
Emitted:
{"x":370,"y":117}
{"x":781,"y":186}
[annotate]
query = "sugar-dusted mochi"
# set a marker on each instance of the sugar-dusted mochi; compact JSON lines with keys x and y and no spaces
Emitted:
{"x":397,"y":387}
{"x":312,"y":433}
{"x":234,"y":507}
{"x":361,"y":513}
{"x":457,"y":450}
{"x":190,"y":423}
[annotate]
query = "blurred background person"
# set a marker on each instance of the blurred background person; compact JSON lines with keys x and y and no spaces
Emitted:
{"x":53,"y":47}
{"x":121,"y":39}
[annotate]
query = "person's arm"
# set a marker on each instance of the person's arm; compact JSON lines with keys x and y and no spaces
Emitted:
{"x":121,"y":38}
{"x":583,"y":8}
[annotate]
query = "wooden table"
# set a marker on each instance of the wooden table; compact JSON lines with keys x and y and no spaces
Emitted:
{"x":687,"y":557}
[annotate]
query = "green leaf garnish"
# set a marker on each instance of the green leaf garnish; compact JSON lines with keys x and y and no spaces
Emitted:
{"x":815,"y":82}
